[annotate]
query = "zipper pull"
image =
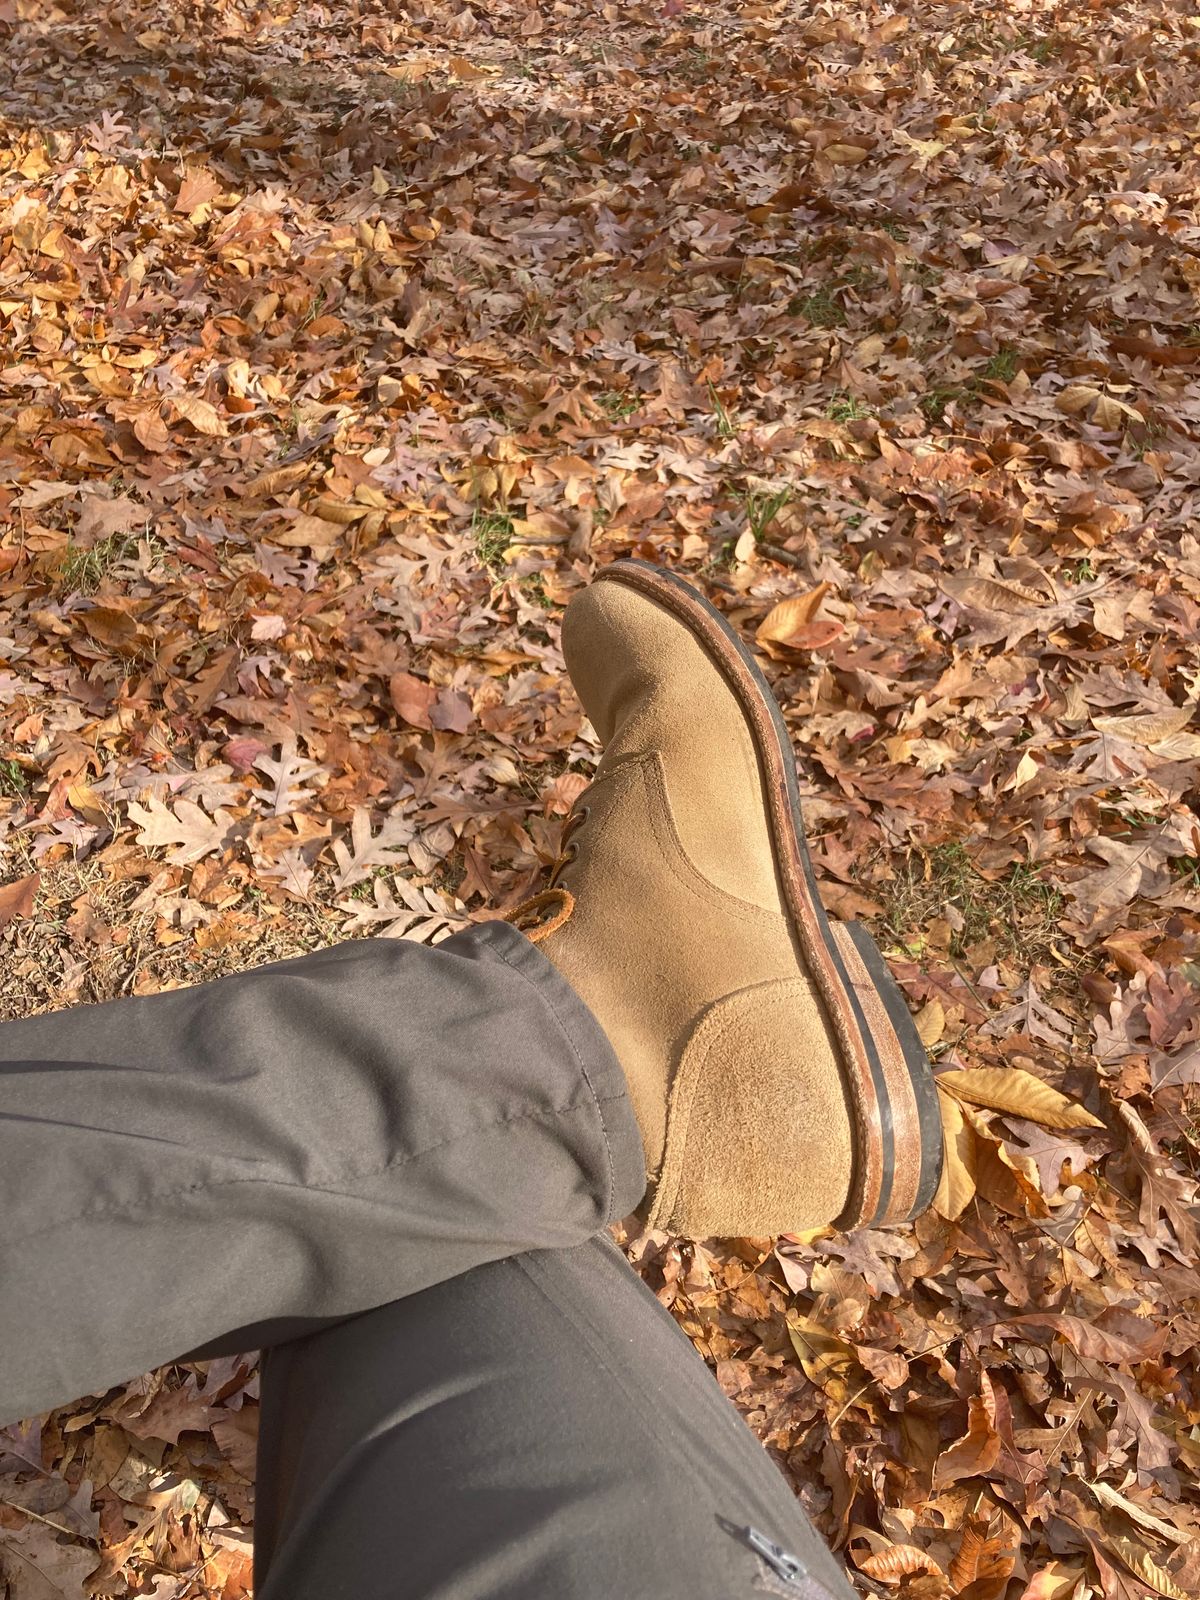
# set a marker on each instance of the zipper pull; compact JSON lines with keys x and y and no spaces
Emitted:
{"x":781,"y":1563}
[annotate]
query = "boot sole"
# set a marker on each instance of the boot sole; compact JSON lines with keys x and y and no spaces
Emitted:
{"x":898,"y":1126}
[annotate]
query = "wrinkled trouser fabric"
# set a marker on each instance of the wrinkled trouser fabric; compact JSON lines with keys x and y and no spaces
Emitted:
{"x":388,"y":1165}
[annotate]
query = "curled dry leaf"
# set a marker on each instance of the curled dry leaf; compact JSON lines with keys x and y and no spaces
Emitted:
{"x":1143,"y":1566}
{"x":956,"y":1189}
{"x":982,"y":1564}
{"x":785,"y":623}
{"x":202,"y":415}
{"x":977,"y":1451}
{"x":900,"y":1561}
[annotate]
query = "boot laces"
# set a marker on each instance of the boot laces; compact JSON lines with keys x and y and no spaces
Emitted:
{"x":568,"y":847}
{"x":544,"y":913}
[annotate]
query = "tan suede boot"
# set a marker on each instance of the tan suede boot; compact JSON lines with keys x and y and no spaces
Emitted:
{"x":774,"y":1070}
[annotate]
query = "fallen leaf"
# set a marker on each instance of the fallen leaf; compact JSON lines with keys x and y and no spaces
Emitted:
{"x":200,"y":413}
{"x":977,"y":1451}
{"x":16,"y":898}
{"x":956,"y":1189}
{"x":413,"y":699}
{"x":787,"y":620}
{"x":1013,"y":1089}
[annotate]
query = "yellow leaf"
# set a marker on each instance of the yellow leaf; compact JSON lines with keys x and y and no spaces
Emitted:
{"x":150,"y":431}
{"x":277,"y":480}
{"x":202,"y":415}
{"x":1014,"y":1090}
{"x":846,"y":155}
{"x":312,"y":533}
{"x":1139,"y":1562}
{"x":340,"y":511}
{"x":1077,"y":397}
{"x":957,"y":1187}
{"x":263,"y":309}
{"x":785,"y":621}
{"x":466,"y":71}
{"x":822,"y":1354}
{"x":931,"y":1022}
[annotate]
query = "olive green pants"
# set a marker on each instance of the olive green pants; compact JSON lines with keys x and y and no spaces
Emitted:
{"x":391,"y":1167}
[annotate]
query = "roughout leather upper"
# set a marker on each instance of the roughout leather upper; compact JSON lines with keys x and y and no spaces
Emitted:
{"x":678,"y":910}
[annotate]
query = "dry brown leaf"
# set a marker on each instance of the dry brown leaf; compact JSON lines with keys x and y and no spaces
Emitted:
{"x":785,"y":621}
{"x":846,"y":155}
{"x":200,"y":413}
{"x":16,"y":898}
{"x":983,"y":1564}
{"x":978,"y":1450}
{"x":412,"y":698}
{"x":1143,"y":1566}
{"x":309,"y":533}
{"x":956,"y":1189}
{"x":901,"y":1561}
{"x":1014,"y":1090}
{"x":930,"y":1022}
{"x":1150,"y":729}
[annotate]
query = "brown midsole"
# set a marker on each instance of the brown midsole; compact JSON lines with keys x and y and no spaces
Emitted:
{"x":906,"y":1125}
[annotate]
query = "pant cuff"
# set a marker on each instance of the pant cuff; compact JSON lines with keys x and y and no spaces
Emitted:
{"x":597,"y":1060}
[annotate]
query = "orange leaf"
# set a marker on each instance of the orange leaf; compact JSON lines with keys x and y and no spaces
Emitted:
{"x":977,"y":1451}
{"x":982,"y":1564}
{"x":900,"y":1562}
{"x":784,"y":622}
{"x":202,"y":415}
{"x":16,"y":899}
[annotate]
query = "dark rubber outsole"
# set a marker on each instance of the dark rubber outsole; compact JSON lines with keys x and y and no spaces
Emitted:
{"x":871,"y":1199}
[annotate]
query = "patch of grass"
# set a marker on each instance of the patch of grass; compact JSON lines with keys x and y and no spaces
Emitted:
{"x":696,"y":65}
{"x":1003,"y":366}
{"x":535,"y":589}
{"x":936,"y":398}
{"x":1187,"y":869}
{"x":82,"y":571}
{"x":618,"y":405}
{"x":846,"y":408}
{"x":14,"y":780}
{"x":364,"y":889}
{"x":1082,"y":572}
{"x":1019,"y":912}
{"x":896,"y":230}
{"x":493,"y":531}
{"x":726,"y":429}
{"x":926,"y":275}
{"x":860,"y":276}
{"x":823,"y":309}
{"x":762,"y":506}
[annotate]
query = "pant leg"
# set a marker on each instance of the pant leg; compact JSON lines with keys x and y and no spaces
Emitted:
{"x":537,"y":1429}
{"x":227,"y":1165}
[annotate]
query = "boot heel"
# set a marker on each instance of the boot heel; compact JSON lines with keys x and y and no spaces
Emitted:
{"x":910,"y":1120}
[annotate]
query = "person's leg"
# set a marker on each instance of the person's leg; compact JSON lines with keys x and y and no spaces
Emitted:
{"x":536,"y":1429}
{"x":224,"y":1166}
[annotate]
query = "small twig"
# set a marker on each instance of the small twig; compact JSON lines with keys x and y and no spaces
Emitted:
{"x":787,"y":557}
{"x":37,"y":1516}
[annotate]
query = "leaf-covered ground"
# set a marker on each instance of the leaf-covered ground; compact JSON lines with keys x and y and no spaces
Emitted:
{"x":341,"y":343}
